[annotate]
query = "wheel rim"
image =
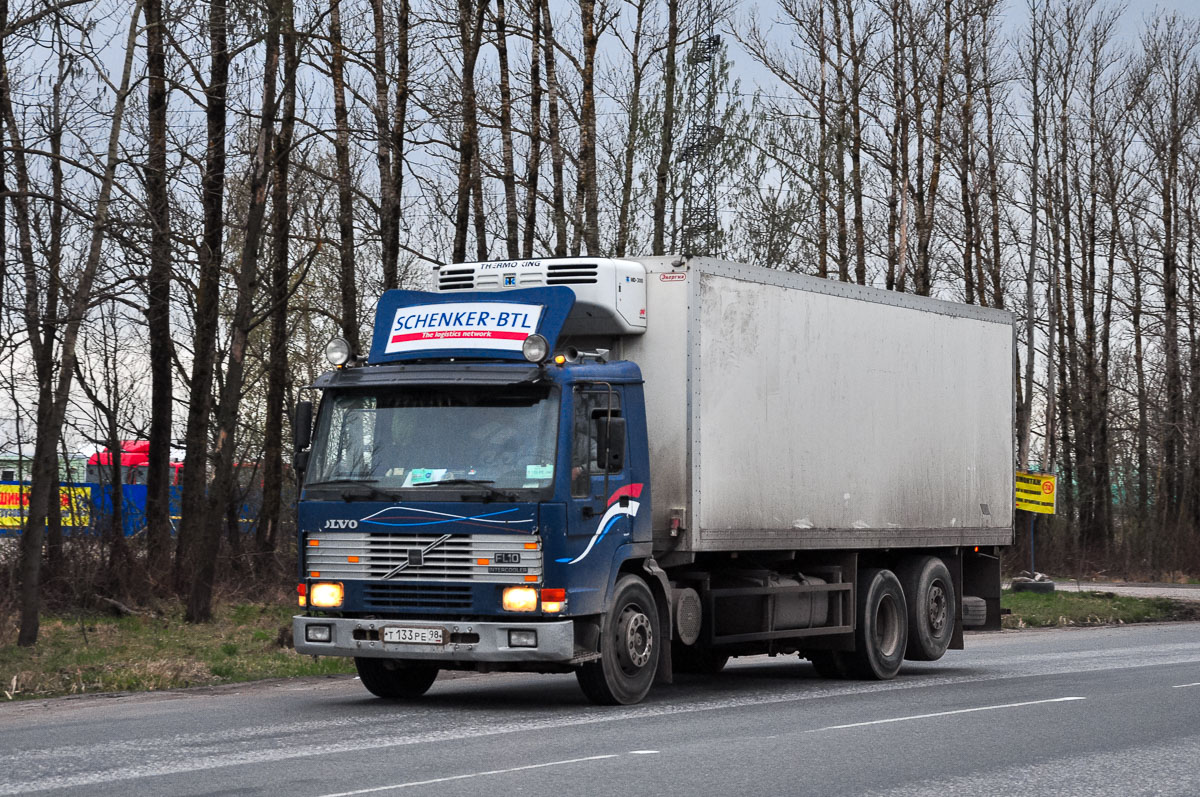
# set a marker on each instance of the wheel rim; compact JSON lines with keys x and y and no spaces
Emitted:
{"x":887,"y":627}
{"x":937,"y":608}
{"x":635,"y":639}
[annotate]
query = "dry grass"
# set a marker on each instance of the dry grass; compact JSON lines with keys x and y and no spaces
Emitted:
{"x":85,"y":653}
{"x":1068,"y":608}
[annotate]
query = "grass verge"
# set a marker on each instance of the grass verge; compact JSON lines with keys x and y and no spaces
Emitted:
{"x":98,"y":653}
{"x":1067,"y":608}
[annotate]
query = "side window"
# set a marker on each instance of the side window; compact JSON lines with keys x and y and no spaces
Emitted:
{"x":590,"y":403}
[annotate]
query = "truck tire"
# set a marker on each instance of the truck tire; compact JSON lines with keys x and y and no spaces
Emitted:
{"x":629,"y":648}
{"x":696,"y":659}
{"x":393,"y":679}
{"x":882,"y":630}
{"x":974,"y":611}
{"x":1041,"y":587}
{"x":929,"y":593}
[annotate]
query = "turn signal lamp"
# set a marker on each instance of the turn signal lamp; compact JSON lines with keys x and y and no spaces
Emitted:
{"x":519,"y":599}
{"x":560,"y":360}
{"x":535,"y":348}
{"x":337,"y":351}
{"x":326,"y":595}
{"x":553,"y":600}
{"x":302,"y":591}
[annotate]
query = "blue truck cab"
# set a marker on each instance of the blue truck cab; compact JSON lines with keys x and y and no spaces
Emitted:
{"x":472,"y":494}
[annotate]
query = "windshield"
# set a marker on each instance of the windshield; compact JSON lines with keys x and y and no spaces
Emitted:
{"x":394,"y":438}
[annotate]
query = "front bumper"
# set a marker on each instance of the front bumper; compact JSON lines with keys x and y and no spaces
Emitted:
{"x":467,"y":641}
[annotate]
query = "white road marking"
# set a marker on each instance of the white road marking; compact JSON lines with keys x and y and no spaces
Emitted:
{"x":470,"y":775}
{"x":1185,"y":686}
{"x":643,"y":752}
{"x":945,"y":713}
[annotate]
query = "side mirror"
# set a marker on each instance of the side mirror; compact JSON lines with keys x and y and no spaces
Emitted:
{"x":610,"y":449}
{"x":302,"y":425}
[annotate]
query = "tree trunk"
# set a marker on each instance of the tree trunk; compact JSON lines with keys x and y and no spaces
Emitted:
{"x":399,"y":120}
{"x":270,"y":516}
{"x":534,"y":159}
{"x":158,"y":303}
{"x":587,"y":130}
{"x":553,"y":130}
{"x":194,"y":502}
{"x":44,"y":487}
{"x":508,"y":176}
{"x":347,"y":278}
{"x":389,"y":204}
{"x":199,"y":605}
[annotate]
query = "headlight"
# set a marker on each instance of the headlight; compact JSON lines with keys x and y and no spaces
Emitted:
{"x":325,"y":595}
{"x":520,"y":599}
{"x":535,"y":348}
{"x":337,"y":351}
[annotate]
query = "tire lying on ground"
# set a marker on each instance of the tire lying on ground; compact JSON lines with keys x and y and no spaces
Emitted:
{"x":1041,"y":587}
{"x":932,"y":607}
{"x":394,"y":679}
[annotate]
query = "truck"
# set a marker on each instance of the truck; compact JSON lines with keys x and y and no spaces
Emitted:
{"x":631,"y":468}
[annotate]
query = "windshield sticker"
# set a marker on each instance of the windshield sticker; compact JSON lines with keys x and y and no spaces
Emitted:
{"x":539,"y":472}
{"x":615,"y":512}
{"x":463,"y":325}
{"x":418,"y":475}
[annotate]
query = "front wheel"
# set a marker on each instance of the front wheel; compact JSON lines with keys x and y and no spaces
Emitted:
{"x":629,"y":648}
{"x":882,"y":632}
{"x":393,"y":679}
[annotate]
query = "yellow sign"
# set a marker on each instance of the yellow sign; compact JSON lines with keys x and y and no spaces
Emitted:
{"x":76,"y":505}
{"x":1036,"y":492}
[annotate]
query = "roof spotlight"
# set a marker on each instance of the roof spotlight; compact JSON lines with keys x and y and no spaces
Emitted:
{"x":535,"y":348}
{"x":337,"y":351}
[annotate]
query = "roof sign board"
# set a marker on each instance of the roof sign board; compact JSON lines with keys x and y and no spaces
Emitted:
{"x":1036,"y":492}
{"x":412,"y":325}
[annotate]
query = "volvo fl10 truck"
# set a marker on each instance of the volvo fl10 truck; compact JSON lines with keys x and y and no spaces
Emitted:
{"x":625,"y":469}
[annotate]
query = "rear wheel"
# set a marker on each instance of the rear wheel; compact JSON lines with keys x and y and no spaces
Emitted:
{"x":882,"y":632}
{"x":929,"y":595}
{"x":629,"y":648}
{"x":394,"y":679}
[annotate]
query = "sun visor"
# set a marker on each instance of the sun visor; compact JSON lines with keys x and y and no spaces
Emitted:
{"x":418,"y":325}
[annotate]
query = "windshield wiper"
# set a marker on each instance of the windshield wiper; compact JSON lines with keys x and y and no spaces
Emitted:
{"x":484,"y":484}
{"x":368,"y":489}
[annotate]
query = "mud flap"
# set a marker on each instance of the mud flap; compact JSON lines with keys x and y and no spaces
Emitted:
{"x":661,"y":588}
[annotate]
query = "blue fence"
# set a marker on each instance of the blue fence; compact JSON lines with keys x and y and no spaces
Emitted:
{"x":88,"y":507}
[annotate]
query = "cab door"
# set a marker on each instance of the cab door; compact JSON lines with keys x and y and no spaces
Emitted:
{"x":602,"y":504}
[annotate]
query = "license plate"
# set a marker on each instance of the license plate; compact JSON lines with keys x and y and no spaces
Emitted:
{"x":414,"y":636}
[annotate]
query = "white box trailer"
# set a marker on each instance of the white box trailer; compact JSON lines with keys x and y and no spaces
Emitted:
{"x":791,"y":412}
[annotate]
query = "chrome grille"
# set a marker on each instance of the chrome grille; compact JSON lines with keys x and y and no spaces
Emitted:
{"x":358,"y":555}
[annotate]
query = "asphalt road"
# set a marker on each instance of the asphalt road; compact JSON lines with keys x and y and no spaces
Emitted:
{"x":1113,"y":711}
